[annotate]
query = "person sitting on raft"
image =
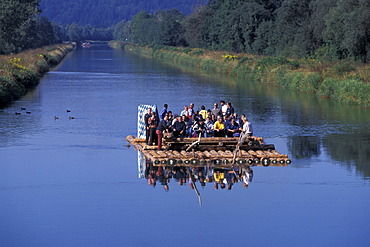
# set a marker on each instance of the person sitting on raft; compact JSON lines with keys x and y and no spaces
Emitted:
{"x":209,"y":127}
{"x":179,"y":128}
{"x":170,"y":116}
{"x":200,"y":128}
{"x":247,"y":130}
{"x":219,"y":127}
{"x":232,"y":128}
{"x":188,"y":126}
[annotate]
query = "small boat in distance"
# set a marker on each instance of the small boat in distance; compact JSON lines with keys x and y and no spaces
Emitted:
{"x":86,"y":45}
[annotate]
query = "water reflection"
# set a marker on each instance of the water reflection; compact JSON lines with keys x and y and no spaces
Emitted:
{"x":16,"y":121}
{"x":194,"y":176}
{"x":350,"y":149}
{"x":304,"y":147}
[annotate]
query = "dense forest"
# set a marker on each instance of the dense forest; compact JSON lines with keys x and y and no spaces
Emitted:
{"x":328,"y":29}
{"x":105,"y":13}
{"x":22,"y":28}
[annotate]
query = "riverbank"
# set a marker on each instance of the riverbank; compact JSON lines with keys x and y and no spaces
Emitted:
{"x":21,"y":72}
{"x":344,"y":81}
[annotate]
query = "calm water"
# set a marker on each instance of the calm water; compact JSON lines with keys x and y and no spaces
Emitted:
{"x":73,"y":182}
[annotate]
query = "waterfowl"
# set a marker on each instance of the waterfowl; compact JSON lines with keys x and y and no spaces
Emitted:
{"x":23,"y":109}
{"x":68,"y":110}
{"x":71,"y":117}
{"x":55,"y":117}
{"x":17,"y":113}
{"x":28,"y":112}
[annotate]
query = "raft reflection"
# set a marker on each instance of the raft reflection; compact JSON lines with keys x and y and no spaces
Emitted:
{"x":219,"y":177}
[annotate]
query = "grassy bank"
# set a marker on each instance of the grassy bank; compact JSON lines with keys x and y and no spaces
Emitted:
{"x":344,"y":81}
{"x":21,"y":72}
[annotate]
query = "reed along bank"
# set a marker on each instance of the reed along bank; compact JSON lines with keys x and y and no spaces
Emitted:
{"x":21,"y":72}
{"x":344,"y":81}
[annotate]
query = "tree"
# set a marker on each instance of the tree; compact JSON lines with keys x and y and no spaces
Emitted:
{"x":348,"y":29}
{"x":74,"y":33}
{"x":291,"y":36}
{"x":39,"y":32}
{"x":171,"y":29}
{"x":15,"y":16}
{"x":142,"y":28}
{"x":119,"y":31}
{"x":193,"y":24}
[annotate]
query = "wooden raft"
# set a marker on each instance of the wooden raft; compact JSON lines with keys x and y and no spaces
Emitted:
{"x":219,"y":151}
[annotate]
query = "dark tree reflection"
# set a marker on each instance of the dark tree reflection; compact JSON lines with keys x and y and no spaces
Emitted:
{"x":304,"y":147}
{"x":350,"y":150}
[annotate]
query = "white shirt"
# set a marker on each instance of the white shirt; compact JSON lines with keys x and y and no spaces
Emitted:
{"x":224,"y":109}
{"x":247,"y":127}
{"x":184,"y":113}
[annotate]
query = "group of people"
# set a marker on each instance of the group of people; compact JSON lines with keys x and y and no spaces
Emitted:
{"x":220,"y":121}
{"x":221,"y":178}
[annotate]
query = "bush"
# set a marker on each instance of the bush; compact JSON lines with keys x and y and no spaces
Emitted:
{"x":344,"y":67}
{"x":42,"y":66}
{"x":21,"y":73}
{"x":187,"y":50}
{"x":326,"y":53}
{"x":353,"y":91}
{"x":272,"y":61}
{"x":307,"y":75}
{"x":197,"y":52}
{"x":242,"y":60}
{"x":294,"y":64}
{"x":51,"y":59}
{"x":157,"y":47}
{"x":327,"y":87}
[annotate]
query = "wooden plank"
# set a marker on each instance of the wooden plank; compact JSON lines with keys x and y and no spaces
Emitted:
{"x":208,"y":152}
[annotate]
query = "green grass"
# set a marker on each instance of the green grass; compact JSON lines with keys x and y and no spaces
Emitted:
{"x":344,"y":81}
{"x":21,"y":72}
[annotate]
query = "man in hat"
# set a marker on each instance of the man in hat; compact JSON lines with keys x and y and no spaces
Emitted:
{"x":200,"y":127}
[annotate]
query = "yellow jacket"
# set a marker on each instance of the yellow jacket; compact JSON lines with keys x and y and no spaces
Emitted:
{"x":218,"y":126}
{"x":203,"y":113}
{"x":219,"y":176}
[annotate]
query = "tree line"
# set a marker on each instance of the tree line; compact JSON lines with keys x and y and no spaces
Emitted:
{"x":22,"y":27}
{"x":329,"y":29}
{"x":106,"y":13}
{"x":294,"y":28}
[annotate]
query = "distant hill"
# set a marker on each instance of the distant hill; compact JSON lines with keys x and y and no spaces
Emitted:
{"x":104,"y":13}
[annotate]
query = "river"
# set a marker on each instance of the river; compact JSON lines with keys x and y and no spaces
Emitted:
{"x":67,"y":178}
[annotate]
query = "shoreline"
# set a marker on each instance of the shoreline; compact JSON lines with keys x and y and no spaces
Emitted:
{"x":343,"y":81}
{"x":19,"y":73}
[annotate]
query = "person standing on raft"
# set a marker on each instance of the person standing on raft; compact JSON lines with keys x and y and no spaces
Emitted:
{"x":163,"y":126}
